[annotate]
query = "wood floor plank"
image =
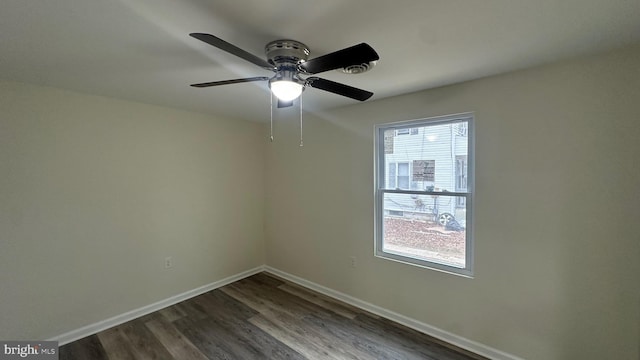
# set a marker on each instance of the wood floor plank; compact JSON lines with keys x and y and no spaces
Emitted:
{"x":365,"y":342}
{"x":173,"y":313}
{"x":230,"y":315}
{"x":86,"y":348}
{"x":321,"y":300}
{"x":217,"y":303}
{"x":303,"y":301}
{"x":265,"y":298}
{"x":309,"y":350}
{"x":228,"y":338}
{"x":115,"y":344}
{"x":347,"y":310}
{"x":285,"y":313}
{"x":410,"y":340}
{"x":268,"y":279}
{"x":208,"y":341}
{"x":190,"y":310}
{"x":179,"y":346}
{"x":145,"y":345}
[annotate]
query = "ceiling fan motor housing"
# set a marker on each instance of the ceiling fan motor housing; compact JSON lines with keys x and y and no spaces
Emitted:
{"x":286,"y":52}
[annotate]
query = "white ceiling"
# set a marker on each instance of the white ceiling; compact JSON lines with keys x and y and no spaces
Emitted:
{"x":140,"y":49}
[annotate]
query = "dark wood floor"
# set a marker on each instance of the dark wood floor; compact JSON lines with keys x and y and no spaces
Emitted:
{"x":261,"y":317}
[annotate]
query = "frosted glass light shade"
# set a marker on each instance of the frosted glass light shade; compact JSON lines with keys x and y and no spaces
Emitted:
{"x":286,"y":90}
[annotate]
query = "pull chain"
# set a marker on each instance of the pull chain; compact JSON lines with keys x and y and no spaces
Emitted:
{"x":301,"y":143}
{"x":271,"y":108}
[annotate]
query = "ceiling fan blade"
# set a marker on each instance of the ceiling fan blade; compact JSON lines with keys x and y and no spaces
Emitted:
{"x":284,"y":104}
{"x":232,"y":49}
{"x":227,"y":82}
{"x":338,"y":88}
{"x":354,"y":55}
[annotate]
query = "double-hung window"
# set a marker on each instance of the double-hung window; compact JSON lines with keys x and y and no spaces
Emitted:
{"x":424,"y":192}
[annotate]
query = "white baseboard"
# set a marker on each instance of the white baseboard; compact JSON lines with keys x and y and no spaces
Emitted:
{"x":136,"y":313}
{"x":438,"y":333}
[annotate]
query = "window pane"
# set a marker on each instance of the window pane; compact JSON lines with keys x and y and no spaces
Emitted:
{"x":431,"y":228}
{"x":434,"y":159}
{"x":403,"y":175}
{"x":403,"y":169}
{"x":391,"y":184}
{"x":403,"y":182}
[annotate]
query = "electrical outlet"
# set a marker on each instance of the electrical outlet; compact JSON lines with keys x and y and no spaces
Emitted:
{"x":168,"y":262}
{"x":353,"y":261}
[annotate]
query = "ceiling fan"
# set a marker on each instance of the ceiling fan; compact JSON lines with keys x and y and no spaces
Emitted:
{"x":288,"y":59}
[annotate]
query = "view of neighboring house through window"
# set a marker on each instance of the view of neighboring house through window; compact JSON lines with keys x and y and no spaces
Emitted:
{"x":423,"y":192}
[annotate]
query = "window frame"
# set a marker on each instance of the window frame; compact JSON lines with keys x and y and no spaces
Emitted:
{"x":380,"y":191}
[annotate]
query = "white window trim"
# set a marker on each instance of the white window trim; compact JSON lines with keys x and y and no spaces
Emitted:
{"x":379,"y":191}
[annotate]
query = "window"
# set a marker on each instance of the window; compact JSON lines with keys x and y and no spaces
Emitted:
{"x":407,"y":131}
{"x":424,"y":191}
{"x":398,"y":175}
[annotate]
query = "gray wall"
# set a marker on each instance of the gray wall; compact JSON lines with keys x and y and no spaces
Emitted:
{"x":96,"y":192}
{"x":557,"y":239}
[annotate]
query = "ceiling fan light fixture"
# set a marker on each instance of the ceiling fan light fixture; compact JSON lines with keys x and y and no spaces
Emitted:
{"x":289,"y":60}
{"x":286,"y":90}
